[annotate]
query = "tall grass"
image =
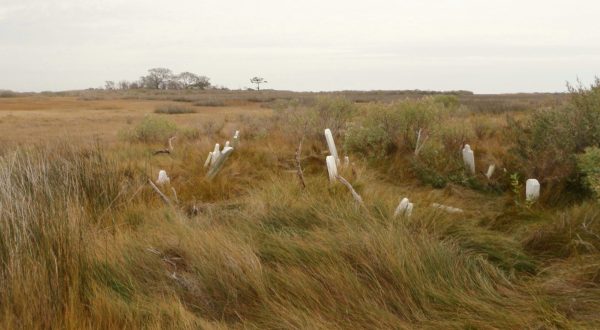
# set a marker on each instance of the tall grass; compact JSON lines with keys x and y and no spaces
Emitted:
{"x":86,"y":243}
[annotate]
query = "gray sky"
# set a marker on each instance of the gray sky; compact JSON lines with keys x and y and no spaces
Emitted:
{"x":483,"y":46}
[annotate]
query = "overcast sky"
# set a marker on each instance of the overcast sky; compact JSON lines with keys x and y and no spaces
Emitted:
{"x":484,"y":46}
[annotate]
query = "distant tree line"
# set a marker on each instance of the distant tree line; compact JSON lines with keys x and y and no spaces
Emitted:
{"x":163,"y":78}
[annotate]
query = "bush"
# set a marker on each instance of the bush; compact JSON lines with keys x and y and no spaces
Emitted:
{"x":6,"y":93}
{"x":546,"y":145}
{"x":333,"y":113}
{"x":370,"y":141}
{"x":588,"y":164}
{"x":209,"y":103}
{"x":387,"y":128}
{"x":151,"y":129}
{"x":173,"y":109}
{"x":297,"y":119}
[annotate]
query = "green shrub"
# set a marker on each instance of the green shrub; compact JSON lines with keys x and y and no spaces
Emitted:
{"x":370,"y":141}
{"x":546,"y":145}
{"x":151,"y":129}
{"x":448,"y":101}
{"x":389,"y":127}
{"x":333,"y":113}
{"x":588,"y":164}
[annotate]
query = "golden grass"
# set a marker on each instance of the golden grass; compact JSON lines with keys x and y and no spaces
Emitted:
{"x":40,"y":118}
{"x":86,"y":243}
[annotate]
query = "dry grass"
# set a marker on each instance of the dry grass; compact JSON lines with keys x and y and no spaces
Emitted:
{"x":86,"y":243}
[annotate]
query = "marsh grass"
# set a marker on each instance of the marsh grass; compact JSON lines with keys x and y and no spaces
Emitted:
{"x":86,"y":243}
{"x":173,"y":109}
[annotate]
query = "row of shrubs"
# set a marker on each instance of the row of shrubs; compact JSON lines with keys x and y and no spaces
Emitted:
{"x":558,"y":145}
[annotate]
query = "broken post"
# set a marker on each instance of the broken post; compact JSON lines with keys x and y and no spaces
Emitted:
{"x":163,"y":178}
{"x":331,"y":168}
{"x":469,"y":158}
{"x":207,"y":162}
{"x":532,"y":189}
{"x":402,"y":208}
{"x":216,"y":154}
{"x":218,"y":164}
{"x":490,"y":171}
{"x":331,"y":145}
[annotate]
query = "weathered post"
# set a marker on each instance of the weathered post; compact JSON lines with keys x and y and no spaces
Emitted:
{"x":163,"y":178}
{"x":331,"y":168}
{"x":331,"y":146}
{"x":532,"y":189}
{"x":469,"y":158}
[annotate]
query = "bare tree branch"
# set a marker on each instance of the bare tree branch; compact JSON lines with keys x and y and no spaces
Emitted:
{"x":168,"y":150}
{"x":299,"y":171}
{"x":356,"y":196}
{"x":162,"y":196}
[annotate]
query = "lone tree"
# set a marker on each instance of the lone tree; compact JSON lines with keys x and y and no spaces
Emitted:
{"x":157,"y":78}
{"x":190,"y":80}
{"x":109,"y":85}
{"x":258,"y":81}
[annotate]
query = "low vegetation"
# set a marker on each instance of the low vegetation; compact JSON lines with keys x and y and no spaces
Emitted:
{"x":85,"y":241}
{"x":173,"y":109}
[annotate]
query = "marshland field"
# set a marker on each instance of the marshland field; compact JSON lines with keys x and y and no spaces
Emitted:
{"x":90,"y":240}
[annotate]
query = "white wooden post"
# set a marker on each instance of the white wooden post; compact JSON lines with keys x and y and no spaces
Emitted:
{"x":532,"y":189}
{"x":402,"y":207}
{"x":331,"y":168}
{"x":469,"y":158}
{"x":216,"y":167}
{"x":215,"y":154}
{"x":490,"y":171}
{"x":208,"y":160}
{"x":162,"y":177}
{"x":331,"y":146}
{"x":409,"y":210}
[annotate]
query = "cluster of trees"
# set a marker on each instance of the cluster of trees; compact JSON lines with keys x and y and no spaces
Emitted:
{"x":163,"y":78}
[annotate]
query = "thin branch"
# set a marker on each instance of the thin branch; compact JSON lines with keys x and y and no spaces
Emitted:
{"x":421,"y":139}
{"x":175,"y":195}
{"x":162,"y":196}
{"x":356,"y":196}
{"x":167,"y":150}
{"x":299,"y":171}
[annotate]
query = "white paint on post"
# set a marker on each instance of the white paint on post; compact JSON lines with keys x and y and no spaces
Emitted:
{"x":402,"y":207}
{"x":215,"y":154}
{"x":163,"y":178}
{"x":469,"y":158}
{"x":207,"y":162}
{"x":216,"y":167}
{"x":331,"y":168}
{"x":490,"y":171}
{"x":331,"y":146}
{"x":532,"y":189}
{"x":409,"y":210}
